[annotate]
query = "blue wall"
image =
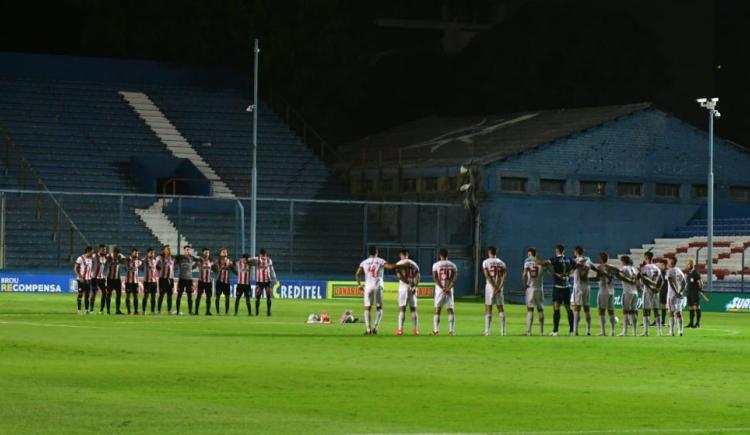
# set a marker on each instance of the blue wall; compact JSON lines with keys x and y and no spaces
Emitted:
{"x":648,"y":146}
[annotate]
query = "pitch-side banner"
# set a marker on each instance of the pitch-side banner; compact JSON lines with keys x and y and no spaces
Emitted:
{"x":718,"y":301}
{"x":36,"y":283}
{"x":349,"y":289}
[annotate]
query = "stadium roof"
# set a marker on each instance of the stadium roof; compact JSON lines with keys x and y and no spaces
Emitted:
{"x":440,"y":141}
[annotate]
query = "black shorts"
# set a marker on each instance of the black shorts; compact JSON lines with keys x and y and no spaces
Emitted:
{"x":561,"y":295}
{"x":84,"y":286}
{"x":244,"y":290}
{"x":114,"y":285}
{"x":693,"y":299}
{"x":205,"y":287}
{"x":149,"y":287}
{"x":663,"y":297}
{"x":131,"y":287}
{"x":261,"y":287}
{"x":166,"y":285}
{"x":184,"y":285}
{"x":100,"y":284}
{"x":222,"y":288}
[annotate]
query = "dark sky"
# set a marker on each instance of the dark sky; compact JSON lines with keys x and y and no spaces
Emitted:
{"x":351,"y":76}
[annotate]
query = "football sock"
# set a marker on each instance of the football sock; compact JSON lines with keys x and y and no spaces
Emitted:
{"x":161,"y":301}
{"x":179,"y":301}
{"x":570,"y":317}
{"x":169,"y":300}
{"x":671,"y":325}
{"x":218,"y":303}
{"x":401,"y":318}
{"x":663,"y":316}
{"x":529,"y":320}
{"x":698,"y":313}
{"x":378,"y":318}
{"x":576,"y":319}
{"x":236,"y":305}
{"x":555,"y":320}
{"x":658,"y":322}
{"x":541,"y":322}
{"x":436,"y":322}
{"x":257,"y":306}
{"x":587,"y":315}
{"x":86,"y":302}
{"x":415,"y":319}
{"x":127,"y":302}
{"x":190,"y":301}
{"x":226,"y":304}
{"x":625,"y":323}
{"x":103,"y":302}
{"x":692,"y":317}
{"x":502,"y":322}
{"x":679,"y":323}
{"x":646,"y":321}
{"x":153,"y":302}
{"x":487,"y":322}
{"x":118,"y":299}
{"x":367,"y":319}
{"x":144,"y":303}
{"x":451,"y":322}
{"x":601,"y":324}
{"x":612,"y":322}
{"x":268,"y":306}
{"x":109,"y":301}
{"x":249,"y":307}
{"x":135,"y":302}
{"x":78,"y":300}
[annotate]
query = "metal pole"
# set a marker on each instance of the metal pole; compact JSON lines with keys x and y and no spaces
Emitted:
{"x":291,"y":237}
{"x":710,"y":256}
{"x":119,"y":223}
{"x":364,"y":229}
{"x":179,"y":224}
{"x":2,"y":230}
{"x":254,"y":187}
{"x":242,"y":226}
{"x":59,"y":230}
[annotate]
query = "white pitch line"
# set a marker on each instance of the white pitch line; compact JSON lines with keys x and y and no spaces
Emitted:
{"x":63,"y":325}
{"x":581,"y":432}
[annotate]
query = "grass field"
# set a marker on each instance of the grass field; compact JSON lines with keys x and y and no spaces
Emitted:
{"x":63,"y":373}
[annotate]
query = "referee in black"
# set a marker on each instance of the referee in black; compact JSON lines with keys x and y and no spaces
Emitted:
{"x":694,"y":294}
{"x":561,"y":268}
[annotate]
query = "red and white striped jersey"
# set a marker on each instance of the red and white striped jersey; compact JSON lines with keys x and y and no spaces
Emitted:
{"x":113,"y":266}
{"x":100,"y":262}
{"x":150,"y":272}
{"x":131,"y":266}
{"x":264,"y":269}
{"x":410,"y":273}
{"x":85,"y":270}
{"x":223,"y":267}
{"x":204,"y":268}
{"x":165,"y":266}
{"x":243,"y":272}
{"x":445,"y":271}
{"x":493,"y":267}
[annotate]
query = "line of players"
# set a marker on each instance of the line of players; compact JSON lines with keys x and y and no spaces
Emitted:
{"x":102,"y":271}
{"x":663,"y":288}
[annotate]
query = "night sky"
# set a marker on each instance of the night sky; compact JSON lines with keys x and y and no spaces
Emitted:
{"x":355,"y":67}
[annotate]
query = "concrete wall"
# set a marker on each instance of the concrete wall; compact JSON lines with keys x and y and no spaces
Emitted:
{"x":649,"y":147}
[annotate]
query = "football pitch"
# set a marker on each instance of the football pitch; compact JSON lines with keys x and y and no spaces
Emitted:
{"x":63,"y":373}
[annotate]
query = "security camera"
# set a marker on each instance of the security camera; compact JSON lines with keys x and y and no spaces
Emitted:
{"x":717,"y":114}
{"x":465,"y":187}
{"x":463,"y":169}
{"x":250,"y":108}
{"x":701,"y":100}
{"x":715,"y":100}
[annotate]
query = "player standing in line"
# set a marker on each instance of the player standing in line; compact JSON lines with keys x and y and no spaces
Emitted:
{"x":694,"y":293}
{"x":165,"y":266}
{"x":629,"y":276}
{"x":114,"y":260}
{"x":205,"y":283}
{"x":444,"y":273}
{"x":150,"y":278}
{"x":531,"y":280}
{"x":84,"y":274}
{"x":606,"y":297}
{"x":242,"y":267}
{"x":185,"y":265}
{"x":494,"y":274}
{"x":581,"y":296}
{"x":408,"y":276}
{"x":265,"y":280}
{"x":132,"y":264}
{"x":650,"y":284}
{"x":676,"y":281}
{"x":223,"y":267}
{"x":561,"y":267}
{"x":373,"y":267}
{"x":663,"y":291}
{"x":99,"y":282}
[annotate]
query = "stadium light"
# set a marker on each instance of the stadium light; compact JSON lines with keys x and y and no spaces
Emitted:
{"x":710,"y":105}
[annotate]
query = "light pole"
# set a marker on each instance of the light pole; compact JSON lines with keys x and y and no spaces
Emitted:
{"x":254,"y":107}
{"x":710,"y":105}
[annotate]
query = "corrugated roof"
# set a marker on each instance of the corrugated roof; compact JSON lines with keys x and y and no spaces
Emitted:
{"x":438,"y":141}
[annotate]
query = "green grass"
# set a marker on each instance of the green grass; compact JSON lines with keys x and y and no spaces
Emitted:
{"x":63,"y":373}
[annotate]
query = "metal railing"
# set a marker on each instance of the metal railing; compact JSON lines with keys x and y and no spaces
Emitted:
{"x":44,"y":202}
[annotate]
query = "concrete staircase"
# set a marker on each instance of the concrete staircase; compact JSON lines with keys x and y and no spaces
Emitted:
{"x":160,"y":225}
{"x":173,"y":139}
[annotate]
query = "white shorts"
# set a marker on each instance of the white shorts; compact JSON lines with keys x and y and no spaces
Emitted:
{"x":493,"y":299}
{"x":629,"y":301}
{"x":534,"y":298}
{"x":406,"y":296}
{"x":650,"y":300}
{"x":581,"y":296}
{"x":443,"y":299}
{"x":606,"y":300}
{"x":373,"y":296}
{"x":674,"y":303}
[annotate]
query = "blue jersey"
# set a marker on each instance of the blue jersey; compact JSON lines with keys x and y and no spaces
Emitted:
{"x":561,"y":265}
